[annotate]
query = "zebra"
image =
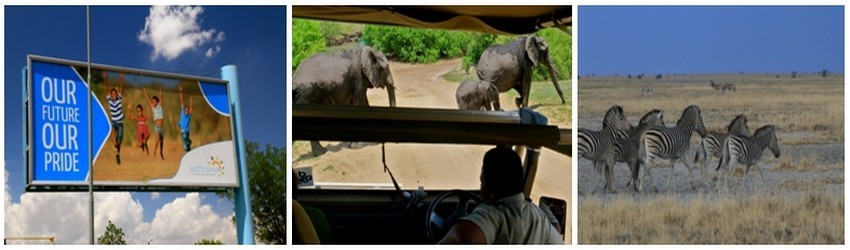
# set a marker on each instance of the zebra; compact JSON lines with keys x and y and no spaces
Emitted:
{"x":627,"y":150}
{"x":596,"y":145}
{"x":710,"y":145}
{"x":747,"y":150}
{"x":646,"y":90}
{"x":728,"y":87}
{"x":670,"y":143}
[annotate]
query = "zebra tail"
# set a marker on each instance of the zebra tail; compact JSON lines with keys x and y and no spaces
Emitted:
{"x":699,"y":151}
{"x":636,"y":173}
{"x":724,"y":154}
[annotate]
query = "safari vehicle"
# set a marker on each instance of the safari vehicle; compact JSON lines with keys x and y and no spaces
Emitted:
{"x":404,"y":213}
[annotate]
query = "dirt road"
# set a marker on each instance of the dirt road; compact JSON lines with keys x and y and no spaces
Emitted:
{"x":433,"y":166}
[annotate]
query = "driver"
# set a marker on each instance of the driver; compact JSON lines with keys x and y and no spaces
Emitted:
{"x":506,"y":217}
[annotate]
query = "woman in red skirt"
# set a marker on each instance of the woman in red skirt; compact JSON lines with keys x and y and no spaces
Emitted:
{"x":142,"y":132}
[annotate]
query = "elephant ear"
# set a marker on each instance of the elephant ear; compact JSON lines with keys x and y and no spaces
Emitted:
{"x":369,"y":66}
{"x":531,"y":49}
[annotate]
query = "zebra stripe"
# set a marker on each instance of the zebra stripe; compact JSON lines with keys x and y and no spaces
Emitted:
{"x":747,"y":150}
{"x":671,"y":143}
{"x":596,"y":145}
{"x":710,"y":145}
{"x":627,"y":150}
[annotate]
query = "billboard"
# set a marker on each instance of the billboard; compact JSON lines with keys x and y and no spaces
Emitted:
{"x":148,"y":129}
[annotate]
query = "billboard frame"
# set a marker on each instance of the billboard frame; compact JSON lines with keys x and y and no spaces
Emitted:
{"x":64,"y":186}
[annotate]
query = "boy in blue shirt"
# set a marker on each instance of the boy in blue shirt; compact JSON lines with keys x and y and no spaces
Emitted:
{"x":185,"y":116}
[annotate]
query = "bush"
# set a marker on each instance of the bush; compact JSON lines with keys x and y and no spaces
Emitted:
{"x":307,"y":40}
{"x":476,"y":47}
{"x":330,"y":30}
{"x":416,"y":45}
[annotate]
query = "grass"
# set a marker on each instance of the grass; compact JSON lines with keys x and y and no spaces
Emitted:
{"x":544,"y":98}
{"x":809,"y":162}
{"x":805,"y":110}
{"x":814,"y":218}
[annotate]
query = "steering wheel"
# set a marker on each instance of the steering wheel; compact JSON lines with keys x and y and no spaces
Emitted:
{"x":436,"y":226}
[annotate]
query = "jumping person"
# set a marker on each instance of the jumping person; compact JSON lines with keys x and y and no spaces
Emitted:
{"x":185,"y":116}
{"x":156,"y":106}
{"x":142,"y":131}
{"x":116,"y":114}
{"x":507,"y":216}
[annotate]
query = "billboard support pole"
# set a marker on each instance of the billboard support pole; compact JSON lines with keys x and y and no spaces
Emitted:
{"x":242,"y":197}
{"x":88,"y":104}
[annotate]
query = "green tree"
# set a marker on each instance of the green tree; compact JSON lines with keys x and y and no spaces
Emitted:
{"x":267,"y":182}
{"x":307,"y":39}
{"x":209,"y":242}
{"x":416,"y":45}
{"x":113,"y":236}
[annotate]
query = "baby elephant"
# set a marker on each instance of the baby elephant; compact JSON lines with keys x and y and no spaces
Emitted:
{"x":477,"y":95}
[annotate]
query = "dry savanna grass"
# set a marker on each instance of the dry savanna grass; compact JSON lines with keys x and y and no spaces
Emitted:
{"x":807,"y":110}
{"x":812,"y":218}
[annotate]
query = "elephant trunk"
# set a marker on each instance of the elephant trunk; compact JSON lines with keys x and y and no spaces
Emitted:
{"x":391,"y":94}
{"x":553,"y":74}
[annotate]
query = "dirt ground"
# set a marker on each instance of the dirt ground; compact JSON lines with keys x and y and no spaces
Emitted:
{"x":135,"y":164}
{"x":434,"y":166}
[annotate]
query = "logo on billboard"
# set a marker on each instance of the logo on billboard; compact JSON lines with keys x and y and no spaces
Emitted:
{"x":214,"y":167}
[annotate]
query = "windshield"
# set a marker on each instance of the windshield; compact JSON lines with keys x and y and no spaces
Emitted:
{"x":427,"y":67}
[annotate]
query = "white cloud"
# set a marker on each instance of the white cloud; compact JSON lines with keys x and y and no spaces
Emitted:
{"x":187,"y":218}
{"x":154,"y":195}
{"x":171,"y":30}
{"x":212,"y":51}
{"x":65,"y":215}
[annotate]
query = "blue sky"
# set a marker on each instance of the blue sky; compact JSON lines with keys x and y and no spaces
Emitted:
{"x":713,"y":39}
{"x":253,"y":38}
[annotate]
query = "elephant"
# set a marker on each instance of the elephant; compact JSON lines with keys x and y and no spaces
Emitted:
{"x":341,"y":79}
{"x":509,"y":66}
{"x":477,"y":95}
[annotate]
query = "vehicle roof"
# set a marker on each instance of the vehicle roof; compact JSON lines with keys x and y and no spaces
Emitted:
{"x":504,"y":20}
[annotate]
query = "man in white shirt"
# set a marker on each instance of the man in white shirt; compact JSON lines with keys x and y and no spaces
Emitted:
{"x":507,"y":216}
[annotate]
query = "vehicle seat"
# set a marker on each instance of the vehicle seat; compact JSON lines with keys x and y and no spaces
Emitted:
{"x":304,"y":232}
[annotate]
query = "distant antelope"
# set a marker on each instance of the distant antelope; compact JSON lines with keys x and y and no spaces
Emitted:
{"x":747,"y":150}
{"x":716,"y":87}
{"x":729,"y":87}
{"x":646,"y":90}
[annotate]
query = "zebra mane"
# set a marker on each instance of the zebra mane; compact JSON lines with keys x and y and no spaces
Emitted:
{"x":739,"y":126}
{"x":610,"y":115}
{"x":690,"y":112}
{"x":764,"y":130}
{"x":650,"y":114}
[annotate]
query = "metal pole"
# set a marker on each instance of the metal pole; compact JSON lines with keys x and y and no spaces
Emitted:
{"x":244,"y":218}
{"x":88,"y":104}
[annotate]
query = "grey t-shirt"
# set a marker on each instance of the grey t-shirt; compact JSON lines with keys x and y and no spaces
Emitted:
{"x":514,"y":220}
